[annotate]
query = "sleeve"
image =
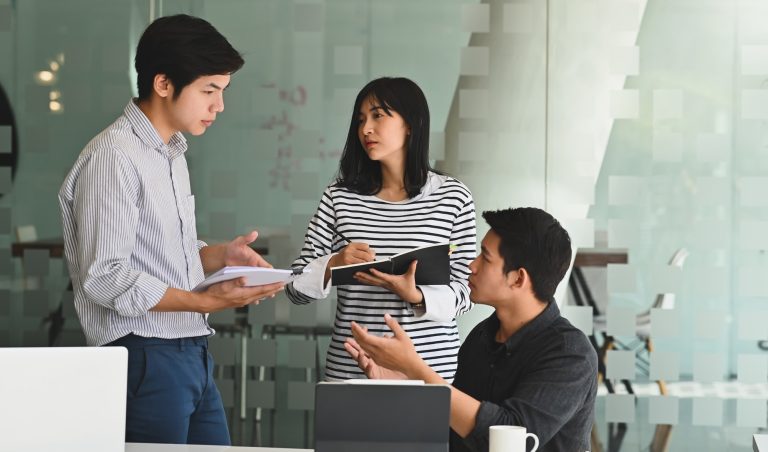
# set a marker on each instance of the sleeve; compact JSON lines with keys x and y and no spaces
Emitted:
{"x":105,"y":206}
{"x":315,"y":254}
{"x":545,"y":399}
{"x":437,"y":298}
{"x":201,"y":245}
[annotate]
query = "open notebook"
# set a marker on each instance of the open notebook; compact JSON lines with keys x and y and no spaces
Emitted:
{"x":433,"y":268}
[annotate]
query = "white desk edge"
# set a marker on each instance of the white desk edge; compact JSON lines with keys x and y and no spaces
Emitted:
{"x":760,"y":443}
{"x":146,"y":447}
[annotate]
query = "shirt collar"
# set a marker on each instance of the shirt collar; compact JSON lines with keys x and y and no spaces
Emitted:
{"x":531,"y":329}
{"x":147,"y":133}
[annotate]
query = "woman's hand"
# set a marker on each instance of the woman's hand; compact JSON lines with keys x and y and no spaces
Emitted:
{"x":404,"y":286}
{"x":354,"y":253}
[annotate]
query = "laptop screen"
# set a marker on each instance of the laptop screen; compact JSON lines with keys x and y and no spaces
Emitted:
{"x":381,"y":417}
{"x":63,"y":399}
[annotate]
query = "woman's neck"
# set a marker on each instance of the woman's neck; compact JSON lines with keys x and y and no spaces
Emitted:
{"x":392,"y":183}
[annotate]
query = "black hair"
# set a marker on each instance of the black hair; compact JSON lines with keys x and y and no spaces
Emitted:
{"x":184,"y":48}
{"x":362,"y":175}
{"x":534,"y":240}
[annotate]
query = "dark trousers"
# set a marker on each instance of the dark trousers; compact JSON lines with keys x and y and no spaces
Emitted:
{"x":172,"y":397}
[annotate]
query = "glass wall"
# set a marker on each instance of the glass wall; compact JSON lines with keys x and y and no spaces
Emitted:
{"x":641,"y":124}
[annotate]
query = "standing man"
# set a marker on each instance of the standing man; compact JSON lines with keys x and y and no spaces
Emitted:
{"x":525,"y":364}
{"x":131,"y":243}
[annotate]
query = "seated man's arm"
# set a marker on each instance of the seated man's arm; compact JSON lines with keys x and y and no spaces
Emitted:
{"x":396,"y":357}
{"x":544,"y":401}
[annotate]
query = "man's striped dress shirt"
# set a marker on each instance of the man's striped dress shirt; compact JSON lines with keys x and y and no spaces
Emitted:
{"x":128,"y":216}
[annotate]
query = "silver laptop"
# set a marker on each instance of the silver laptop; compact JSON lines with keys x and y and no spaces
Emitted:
{"x":381,"y":417}
{"x":63,"y":399}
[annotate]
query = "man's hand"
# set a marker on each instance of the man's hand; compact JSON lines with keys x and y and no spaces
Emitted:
{"x":238,"y":253}
{"x":368,"y":365}
{"x":395,"y":353}
{"x":234,"y":294}
{"x":217,"y":297}
{"x":404,"y":286}
{"x":234,"y":253}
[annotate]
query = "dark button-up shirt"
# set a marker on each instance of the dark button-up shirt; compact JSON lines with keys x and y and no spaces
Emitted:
{"x":544,"y":378}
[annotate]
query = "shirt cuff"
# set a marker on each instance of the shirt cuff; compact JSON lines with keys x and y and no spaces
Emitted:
{"x":439,"y":301}
{"x":143,"y":296}
{"x":487,"y":415}
{"x":201,"y":245}
{"x":311,"y":283}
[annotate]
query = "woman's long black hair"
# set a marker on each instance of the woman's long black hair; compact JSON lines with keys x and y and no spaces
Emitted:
{"x":362,"y":175}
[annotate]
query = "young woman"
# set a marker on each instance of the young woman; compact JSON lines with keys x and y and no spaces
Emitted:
{"x":386,"y":200}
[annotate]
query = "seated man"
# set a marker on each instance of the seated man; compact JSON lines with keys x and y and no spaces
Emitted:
{"x":525,"y":364}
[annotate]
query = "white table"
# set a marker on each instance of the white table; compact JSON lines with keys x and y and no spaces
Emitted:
{"x":760,"y":443}
{"x":145,"y":447}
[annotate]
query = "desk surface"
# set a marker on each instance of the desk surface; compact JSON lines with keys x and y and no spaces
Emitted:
{"x":760,"y":443}
{"x":54,"y":246}
{"x":145,"y":447}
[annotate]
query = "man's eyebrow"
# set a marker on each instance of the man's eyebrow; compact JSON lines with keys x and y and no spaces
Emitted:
{"x":213,"y":85}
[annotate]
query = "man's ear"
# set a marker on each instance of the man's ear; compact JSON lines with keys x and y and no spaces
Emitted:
{"x":162,"y":85}
{"x":517,"y":279}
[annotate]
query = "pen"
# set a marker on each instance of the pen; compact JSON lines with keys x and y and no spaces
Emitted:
{"x":338,"y":233}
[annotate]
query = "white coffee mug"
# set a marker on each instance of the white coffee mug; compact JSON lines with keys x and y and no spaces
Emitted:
{"x":510,"y":438}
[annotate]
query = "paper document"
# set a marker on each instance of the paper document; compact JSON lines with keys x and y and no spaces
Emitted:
{"x":254,"y":276}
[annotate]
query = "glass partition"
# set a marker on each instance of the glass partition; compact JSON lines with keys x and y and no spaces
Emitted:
{"x":640,"y":124}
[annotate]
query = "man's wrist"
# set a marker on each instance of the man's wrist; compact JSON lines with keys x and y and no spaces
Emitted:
{"x":201,"y":302}
{"x":417,"y":369}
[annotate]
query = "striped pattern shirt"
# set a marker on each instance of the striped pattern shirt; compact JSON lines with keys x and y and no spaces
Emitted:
{"x":442,"y":212}
{"x":128,"y":216}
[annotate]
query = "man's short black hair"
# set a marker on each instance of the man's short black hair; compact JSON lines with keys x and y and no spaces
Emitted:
{"x":534,"y":240}
{"x":183,"y":48}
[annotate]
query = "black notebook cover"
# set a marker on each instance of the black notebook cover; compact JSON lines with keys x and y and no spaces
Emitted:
{"x":434,"y":266}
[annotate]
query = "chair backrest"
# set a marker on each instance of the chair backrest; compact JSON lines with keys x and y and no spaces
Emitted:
{"x":664,"y":301}
{"x":678,"y":259}
{"x":26,"y":233}
{"x":667,"y":300}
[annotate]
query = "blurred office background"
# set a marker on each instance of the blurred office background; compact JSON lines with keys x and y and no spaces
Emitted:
{"x":641,"y":124}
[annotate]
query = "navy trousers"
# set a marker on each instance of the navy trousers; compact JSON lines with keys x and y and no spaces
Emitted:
{"x":172,"y":397}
